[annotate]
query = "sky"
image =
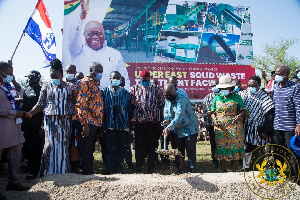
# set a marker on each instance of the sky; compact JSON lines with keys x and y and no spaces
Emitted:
{"x":271,"y":20}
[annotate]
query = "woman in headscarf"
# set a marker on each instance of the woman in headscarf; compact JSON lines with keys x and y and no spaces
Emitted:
{"x":227,"y":112}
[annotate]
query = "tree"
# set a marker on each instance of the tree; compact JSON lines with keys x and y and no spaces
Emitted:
{"x":276,"y":55}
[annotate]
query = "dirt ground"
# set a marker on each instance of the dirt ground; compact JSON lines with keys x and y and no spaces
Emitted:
{"x":138,"y":186}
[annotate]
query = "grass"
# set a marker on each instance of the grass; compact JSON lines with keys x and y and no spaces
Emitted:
{"x":203,"y":158}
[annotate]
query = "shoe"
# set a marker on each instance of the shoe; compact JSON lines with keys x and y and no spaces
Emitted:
{"x":151,"y":171}
{"x":130,"y":165}
{"x":192,"y":170}
{"x":17,"y":187}
{"x":2,"y":197}
{"x":215,"y":165}
{"x":30,"y":177}
{"x":87,"y":173}
{"x":138,"y":170}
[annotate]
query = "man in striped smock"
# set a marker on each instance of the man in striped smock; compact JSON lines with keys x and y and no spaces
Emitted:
{"x":258,"y":126}
{"x":286,"y":96}
{"x":117,"y":108}
{"x":148,"y":102}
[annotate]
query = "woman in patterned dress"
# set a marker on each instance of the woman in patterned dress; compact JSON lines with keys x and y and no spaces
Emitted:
{"x":227,"y":112}
{"x":56,"y":99}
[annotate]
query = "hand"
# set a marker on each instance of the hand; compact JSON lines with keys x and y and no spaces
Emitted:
{"x":297,"y":130}
{"x":42,"y":133}
{"x":165,"y":123}
{"x":236,"y":118}
{"x":101,"y":132}
{"x":166,"y":132}
{"x":263,"y":136}
{"x":85,"y":131}
{"x":217,"y":123}
{"x":84,"y":9}
{"x":20,"y":114}
{"x":28,"y":115}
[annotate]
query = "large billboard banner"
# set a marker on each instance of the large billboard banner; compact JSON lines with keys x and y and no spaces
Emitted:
{"x":118,"y":33}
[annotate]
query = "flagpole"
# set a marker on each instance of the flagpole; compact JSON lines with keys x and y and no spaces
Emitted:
{"x":17,"y":46}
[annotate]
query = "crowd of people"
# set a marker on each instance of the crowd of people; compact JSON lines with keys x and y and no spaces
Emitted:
{"x":57,"y":124}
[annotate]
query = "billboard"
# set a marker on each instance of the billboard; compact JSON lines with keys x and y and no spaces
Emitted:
{"x":123,"y":34}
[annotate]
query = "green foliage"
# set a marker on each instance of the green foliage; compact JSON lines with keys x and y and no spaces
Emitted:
{"x":276,"y":55}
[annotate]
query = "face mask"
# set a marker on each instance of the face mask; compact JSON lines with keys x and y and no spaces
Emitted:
{"x":236,"y":89}
{"x":115,"y":82}
{"x":8,"y":79}
{"x":171,"y":98}
{"x":298,"y":75}
{"x":215,"y":89}
{"x":225,"y":92}
{"x":70,"y":77}
{"x":98,"y":76}
{"x":145,"y":83}
{"x":55,"y":82}
{"x":122,"y":84}
{"x":252,"y":90}
{"x":278,"y":78}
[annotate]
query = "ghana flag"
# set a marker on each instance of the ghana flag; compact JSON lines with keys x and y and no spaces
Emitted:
{"x":70,"y":6}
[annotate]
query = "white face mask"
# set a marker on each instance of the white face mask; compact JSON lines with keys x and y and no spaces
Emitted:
{"x":278,"y":78}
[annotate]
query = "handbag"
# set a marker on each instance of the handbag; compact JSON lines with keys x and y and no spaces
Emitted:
{"x":75,"y":154}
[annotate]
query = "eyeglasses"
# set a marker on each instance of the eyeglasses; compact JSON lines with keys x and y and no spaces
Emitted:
{"x":96,"y":33}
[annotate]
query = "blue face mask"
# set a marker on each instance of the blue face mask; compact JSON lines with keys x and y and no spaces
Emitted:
{"x":8,"y":79}
{"x":236,"y":89}
{"x":55,"y":82}
{"x":252,"y":90}
{"x":115,"y":82}
{"x":215,"y":89}
{"x":298,"y":75}
{"x":98,"y":76}
{"x":278,"y":78}
{"x":70,"y":77}
{"x":225,"y":92}
{"x":145,"y":83}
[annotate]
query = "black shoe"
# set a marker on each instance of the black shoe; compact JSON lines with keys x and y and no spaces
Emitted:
{"x":215,"y":164}
{"x":151,"y":170}
{"x":192,"y":170}
{"x":130,"y":165}
{"x":138,"y":170}
{"x":2,"y":197}
{"x":17,"y":186}
{"x":30,"y":177}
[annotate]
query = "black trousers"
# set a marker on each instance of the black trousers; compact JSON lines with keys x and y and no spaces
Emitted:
{"x":87,"y":147}
{"x":212,"y":140}
{"x":188,"y":144}
{"x":34,"y":143}
{"x":114,"y":144}
{"x":283,"y":138}
{"x":145,"y":144}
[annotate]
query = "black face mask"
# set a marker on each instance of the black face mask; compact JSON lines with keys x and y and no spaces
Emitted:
{"x":171,"y":98}
{"x":32,"y":84}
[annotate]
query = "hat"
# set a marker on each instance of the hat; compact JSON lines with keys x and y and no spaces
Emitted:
{"x":225,"y":82}
{"x":34,"y":74}
{"x":145,"y":73}
{"x":295,"y":144}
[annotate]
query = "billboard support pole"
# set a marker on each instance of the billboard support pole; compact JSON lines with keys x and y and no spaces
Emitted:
{"x":146,"y":33}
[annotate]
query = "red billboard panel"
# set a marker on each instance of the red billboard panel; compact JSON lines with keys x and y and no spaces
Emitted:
{"x":194,"y":78}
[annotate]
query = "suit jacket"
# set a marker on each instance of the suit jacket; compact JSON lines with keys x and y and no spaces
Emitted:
{"x":10,"y":132}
